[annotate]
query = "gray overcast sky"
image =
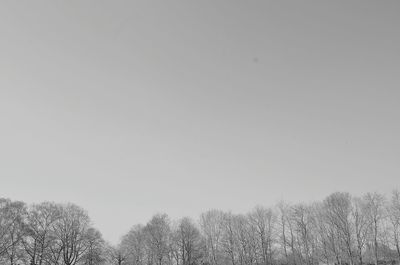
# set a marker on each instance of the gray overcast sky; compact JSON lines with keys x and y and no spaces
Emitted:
{"x":129,"y":108}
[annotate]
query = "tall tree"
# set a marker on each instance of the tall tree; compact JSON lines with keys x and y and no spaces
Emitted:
{"x":12,"y":223}
{"x":262,"y":220}
{"x":188,"y":241}
{"x":71,"y":232}
{"x":393,"y":212}
{"x":39,"y":234}
{"x":117,"y":255}
{"x":134,"y":245}
{"x":362,"y":226}
{"x":338,"y":209}
{"x":375,"y":205}
{"x":158,"y":231}
{"x":211,"y":225}
{"x":95,"y":246}
{"x":229,"y":239}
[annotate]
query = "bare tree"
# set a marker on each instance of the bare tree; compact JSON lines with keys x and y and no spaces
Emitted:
{"x":283,"y":223}
{"x":71,"y":232}
{"x":95,"y":247}
{"x":305,"y":232}
{"x":211,"y":225}
{"x":338,"y":209}
{"x":375,"y":205}
{"x":134,"y":245}
{"x":229,"y":239}
{"x":393,"y":211}
{"x":362,"y":226}
{"x":39,"y":235}
{"x":246,"y":237}
{"x":263,"y":221}
{"x":158,"y":231}
{"x":188,"y":242}
{"x":12,"y":222}
{"x":116,"y":255}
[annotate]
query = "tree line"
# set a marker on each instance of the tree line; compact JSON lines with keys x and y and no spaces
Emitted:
{"x":339,"y":230}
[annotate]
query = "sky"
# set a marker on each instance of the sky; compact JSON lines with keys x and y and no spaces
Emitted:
{"x":131,"y":108}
